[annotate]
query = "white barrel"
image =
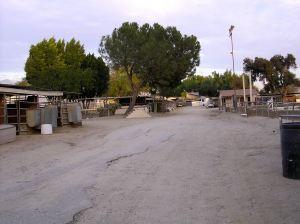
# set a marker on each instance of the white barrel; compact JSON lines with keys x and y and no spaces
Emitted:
{"x":46,"y":129}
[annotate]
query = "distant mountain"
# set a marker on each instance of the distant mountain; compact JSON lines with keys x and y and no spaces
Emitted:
{"x":7,"y":81}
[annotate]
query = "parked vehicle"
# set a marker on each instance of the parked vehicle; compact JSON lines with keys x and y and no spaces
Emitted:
{"x":208,"y":103}
{"x":180,"y":103}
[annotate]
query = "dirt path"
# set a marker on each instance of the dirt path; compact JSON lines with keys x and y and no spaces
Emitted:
{"x":190,"y":166}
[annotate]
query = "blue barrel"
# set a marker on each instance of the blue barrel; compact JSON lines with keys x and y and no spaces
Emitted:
{"x":290,"y":149}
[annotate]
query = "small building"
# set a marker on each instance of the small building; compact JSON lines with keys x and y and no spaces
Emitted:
{"x":267,"y":97}
{"x":227,"y":97}
{"x":292,"y":95}
{"x":192,"y":96}
{"x":140,"y":100}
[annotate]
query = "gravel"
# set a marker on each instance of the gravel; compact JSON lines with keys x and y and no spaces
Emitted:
{"x":193,"y":165}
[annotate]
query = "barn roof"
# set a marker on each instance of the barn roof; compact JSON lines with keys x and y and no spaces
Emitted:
{"x":26,"y":90}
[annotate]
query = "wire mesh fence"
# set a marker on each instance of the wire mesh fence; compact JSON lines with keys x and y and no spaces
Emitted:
{"x":266,"y":109}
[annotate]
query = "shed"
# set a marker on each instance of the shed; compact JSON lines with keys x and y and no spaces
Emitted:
{"x":16,"y":100}
{"x":226,"y":97}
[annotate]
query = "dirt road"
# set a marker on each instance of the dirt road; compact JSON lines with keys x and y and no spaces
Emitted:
{"x":190,"y":166}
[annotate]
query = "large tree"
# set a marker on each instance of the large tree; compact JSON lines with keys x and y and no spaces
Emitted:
{"x":122,"y":49}
{"x":159,"y":57}
{"x":45,"y":64}
{"x":64,"y":66}
{"x":274,"y":73}
{"x":99,"y":74}
{"x":168,"y":57}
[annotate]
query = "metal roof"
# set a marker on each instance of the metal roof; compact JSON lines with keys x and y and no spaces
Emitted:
{"x":20,"y":90}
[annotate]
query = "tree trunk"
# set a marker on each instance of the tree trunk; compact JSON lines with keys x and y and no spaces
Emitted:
{"x":155,"y":102}
{"x":135,"y":91}
{"x":84,"y":104}
{"x":132,"y":103}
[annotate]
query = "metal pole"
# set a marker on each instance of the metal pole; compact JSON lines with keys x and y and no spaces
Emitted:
{"x":250,"y":84}
{"x":233,"y":69}
{"x":244,"y":87}
{"x":232,"y":55}
{"x":244,"y":91}
{"x":18,"y":116}
{"x":5,"y":120}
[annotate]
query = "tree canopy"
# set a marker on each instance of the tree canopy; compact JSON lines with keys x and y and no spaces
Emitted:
{"x":210,"y":85}
{"x":23,"y":83}
{"x":168,"y":57}
{"x":119,"y":84}
{"x":159,"y":57}
{"x":274,"y":73}
{"x":99,"y":75}
{"x":64,"y":66}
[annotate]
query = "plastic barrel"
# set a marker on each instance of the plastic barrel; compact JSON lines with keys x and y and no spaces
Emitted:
{"x":290,"y":149}
{"x":46,"y":129}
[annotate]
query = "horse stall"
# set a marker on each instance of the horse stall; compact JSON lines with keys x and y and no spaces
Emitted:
{"x":22,"y":106}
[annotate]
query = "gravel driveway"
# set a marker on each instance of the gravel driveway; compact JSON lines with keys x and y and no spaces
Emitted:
{"x":190,"y":166}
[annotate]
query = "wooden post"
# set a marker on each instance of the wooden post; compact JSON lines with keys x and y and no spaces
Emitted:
{"x":18,"y":116}
{"x":256,"y":109}
{"x":250,"y":85}
{"x":5,"y":120}
{"x":244,"y":88}
{"x":61,"y":113}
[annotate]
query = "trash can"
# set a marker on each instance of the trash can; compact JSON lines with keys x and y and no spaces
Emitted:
{"x":290,"y":145}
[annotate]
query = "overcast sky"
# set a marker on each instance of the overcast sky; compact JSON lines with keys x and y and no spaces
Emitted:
{"x":262,"y":27}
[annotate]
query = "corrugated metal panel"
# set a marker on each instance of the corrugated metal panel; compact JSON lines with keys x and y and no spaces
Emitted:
{"x":54,"y":112}
{"x":74,"y":113}
{"x":49,"y":115}
{"x":7,"y":133}
{"x":33,"y":118}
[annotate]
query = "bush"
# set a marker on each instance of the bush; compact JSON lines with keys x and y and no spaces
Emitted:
{"x":109,"y":109}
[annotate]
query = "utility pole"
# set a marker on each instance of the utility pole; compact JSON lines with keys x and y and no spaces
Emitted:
{"x":230,"y":35}
{"x":244,"y":88}
{"x":233,"y":70}
{"x":244,"y":92}
{"x":250,"y":85}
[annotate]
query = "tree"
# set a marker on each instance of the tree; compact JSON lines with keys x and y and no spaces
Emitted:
{"x":274,"y":73}
{"x":99,"y":72}
{"x":56,"y":65}
{"x":122,"y":50}
{"x":23,"y":83}
{"x":74,"y":54}
{"x":45,"y":65}
{"x":210,"y":85}
{"x":159,"y":57}
{"x":119,"y":84}
{"x":168,"y":57}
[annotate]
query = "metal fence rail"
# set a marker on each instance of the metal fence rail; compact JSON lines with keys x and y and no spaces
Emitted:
{"x":269,"y":109}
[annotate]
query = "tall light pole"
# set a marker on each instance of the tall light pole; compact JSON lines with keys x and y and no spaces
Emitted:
{"x":230,"y":35}
{"x":233,"y":70}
